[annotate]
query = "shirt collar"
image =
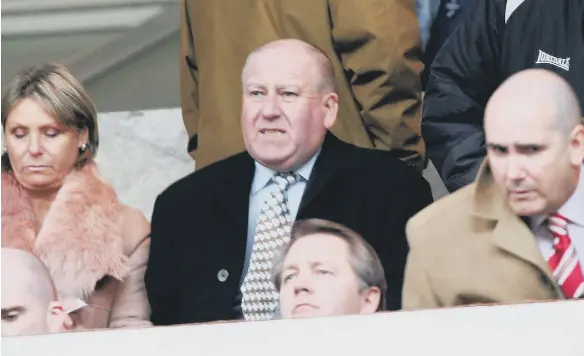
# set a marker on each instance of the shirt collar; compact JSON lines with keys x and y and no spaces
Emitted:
{"x":572,"y":208}
{"x":263,"y":175}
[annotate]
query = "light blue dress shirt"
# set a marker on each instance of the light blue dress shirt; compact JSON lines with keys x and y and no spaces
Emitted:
{"x":261,"y":188}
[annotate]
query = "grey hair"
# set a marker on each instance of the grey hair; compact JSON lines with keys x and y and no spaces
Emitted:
{"x":362,"y":257}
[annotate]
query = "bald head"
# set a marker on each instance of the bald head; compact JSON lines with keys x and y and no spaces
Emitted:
{"x":541,"y":95}
{"x":29,"y":298}
{"x":291,"y":46}
{"x":22,"y":272}
{"x":288,"y":104}
{"x":535,"y":140}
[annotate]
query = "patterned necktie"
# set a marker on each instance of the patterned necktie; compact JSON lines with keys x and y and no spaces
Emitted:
{"x":564,"y":262}
{"x":272,"y":233}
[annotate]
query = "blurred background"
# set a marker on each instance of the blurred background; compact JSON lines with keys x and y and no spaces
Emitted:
{"x":124,"y":51}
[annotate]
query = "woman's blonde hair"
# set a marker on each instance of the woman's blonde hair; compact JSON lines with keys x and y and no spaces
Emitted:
{"x":57,"y":91}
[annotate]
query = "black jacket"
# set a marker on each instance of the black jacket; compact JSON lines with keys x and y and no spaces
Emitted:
{"x":199,"y":226}
{"x":482,"y":52}
{"x":450,"y":15}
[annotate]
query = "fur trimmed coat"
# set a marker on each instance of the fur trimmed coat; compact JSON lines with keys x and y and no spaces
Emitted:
{"x":94,"y":247}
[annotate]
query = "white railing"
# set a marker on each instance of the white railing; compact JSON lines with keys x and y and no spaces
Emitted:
{"x":547,"y":329}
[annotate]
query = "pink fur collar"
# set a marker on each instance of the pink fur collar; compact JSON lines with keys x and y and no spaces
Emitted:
{"x":80,"y":240}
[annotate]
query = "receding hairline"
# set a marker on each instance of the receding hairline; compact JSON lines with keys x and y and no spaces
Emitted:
{"x":320,"y":59}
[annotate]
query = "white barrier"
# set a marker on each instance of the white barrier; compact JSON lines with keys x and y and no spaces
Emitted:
{"x":546,"y":329}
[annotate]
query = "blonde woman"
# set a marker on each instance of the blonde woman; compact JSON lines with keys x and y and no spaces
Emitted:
{"x":56,"y":205}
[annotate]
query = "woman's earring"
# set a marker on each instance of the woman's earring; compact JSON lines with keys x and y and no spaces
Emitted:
{"x":83,"y":147}
{"x":4,"y":150}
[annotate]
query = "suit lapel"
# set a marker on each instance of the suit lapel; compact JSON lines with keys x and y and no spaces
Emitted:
{"x":334,"y":157}
{"x":234,"y":194}
{"x":234,"y":191}
{"x":511,"y":234}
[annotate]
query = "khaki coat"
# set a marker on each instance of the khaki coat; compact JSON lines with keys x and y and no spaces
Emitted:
{"x":470,"y":248}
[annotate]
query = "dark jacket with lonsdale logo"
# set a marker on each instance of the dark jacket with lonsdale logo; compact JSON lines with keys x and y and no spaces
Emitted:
{"x":496,"y":39}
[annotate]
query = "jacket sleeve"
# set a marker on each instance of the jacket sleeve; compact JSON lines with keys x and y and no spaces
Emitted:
{"x":417,"y":290}
{"x":131,"y":308}
{"x":378,"y":42}
{"x":161,"y":286}
{"x":464,"y":74}
{"x":417,"y":195}
{"x":189,"y":82}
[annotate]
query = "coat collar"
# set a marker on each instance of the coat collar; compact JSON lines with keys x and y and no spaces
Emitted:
{"x":80,"y":240}
{"x":488,"y":202}
{"x":511,"y":233}
{"x":263,"y":175}
{"x":236,"y":183}
{"x":335,"y":157}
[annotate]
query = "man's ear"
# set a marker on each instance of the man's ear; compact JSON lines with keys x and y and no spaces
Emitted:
{"x":57,"y":319}
{"x":370,"y":300}
{"x":576,"y":150}
{"x":331,"y":107}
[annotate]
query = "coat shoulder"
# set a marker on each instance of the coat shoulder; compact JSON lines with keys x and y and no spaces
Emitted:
{"x":200,"y":180}
{"x":135,"y":228}
{"x":443,"y":218}
{"x":390,"y":168}
{"x":384,"y":160}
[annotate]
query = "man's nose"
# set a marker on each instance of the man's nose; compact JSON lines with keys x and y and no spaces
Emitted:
{"x":303,"y":283}
{"x":515,"y":169}
{"x":271,"y":109}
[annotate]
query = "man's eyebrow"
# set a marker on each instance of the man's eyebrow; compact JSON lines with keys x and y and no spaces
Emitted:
{"x":326,"y":264}
{"x":516,"y":144}
{"x":316,"y":263}
{"x":496,"y":145}
{"x":528,"y":145}
{"x":290,"y":266}
{"x":254,"y":84}
{"x":289,"y":86}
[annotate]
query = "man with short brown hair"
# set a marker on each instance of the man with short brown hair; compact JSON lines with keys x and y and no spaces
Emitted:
{"x":328,"y":269}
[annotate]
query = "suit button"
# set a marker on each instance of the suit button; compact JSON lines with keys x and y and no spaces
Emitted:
{"x":222,"y":275}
